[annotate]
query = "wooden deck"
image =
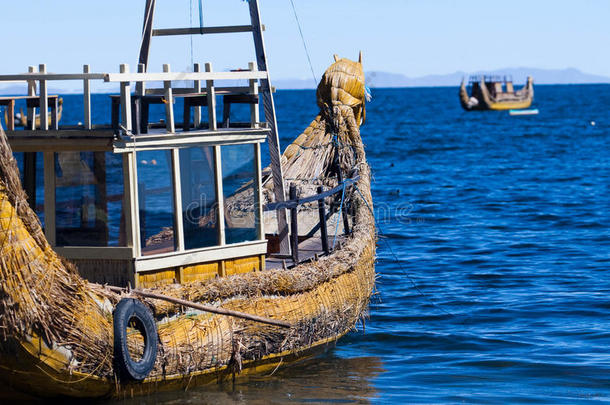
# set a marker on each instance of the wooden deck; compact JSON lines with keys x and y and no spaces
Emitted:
{"x":309,"y":249}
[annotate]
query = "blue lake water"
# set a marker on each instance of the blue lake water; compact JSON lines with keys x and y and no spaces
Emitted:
{"x":493,"y":258}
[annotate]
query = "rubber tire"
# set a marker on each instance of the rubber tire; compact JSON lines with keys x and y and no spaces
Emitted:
{"x":126,"y":310}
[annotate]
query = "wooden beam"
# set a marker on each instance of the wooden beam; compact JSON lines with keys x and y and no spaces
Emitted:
{"x":202,"y":255}
{"x":44,"y":101}
{"x":52,"y":76}
{"x":294,"y":225}
{"x":254,"y":108}
{"x":125,"y":99}
{"x":169,"y":102}
{"x":323,"y":227}
{"x":197,"y":89}
{"x":87,"y":99}
{"x":201,"y":31}
{"x":211,"y":95}
{"x":176,"y":76}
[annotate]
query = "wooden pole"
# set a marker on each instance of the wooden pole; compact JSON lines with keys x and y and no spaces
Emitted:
{"x":44,"y":101}
{"x":323,"y":228}
{"x":87,"y":99}
{"x":197,"y":89}
{"x":169,"y":102}
{"x":206,"y":308}
{"x":211,"y":92}
{"x":294,"y":225}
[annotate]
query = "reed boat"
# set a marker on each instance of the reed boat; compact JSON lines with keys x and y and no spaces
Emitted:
{"x":495,"y":93}
{"x":141,"y":257}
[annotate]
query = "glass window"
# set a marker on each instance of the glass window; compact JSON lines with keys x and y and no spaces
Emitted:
{"x":89,"y":199}
{"x":239,"y":186}
{"x":199,"y":207}
{"x":156,"y":199}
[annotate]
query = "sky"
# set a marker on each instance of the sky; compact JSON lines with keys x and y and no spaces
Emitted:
{"x":410,"y":37}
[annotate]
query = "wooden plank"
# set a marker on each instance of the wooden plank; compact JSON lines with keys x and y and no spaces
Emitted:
{"x":49,"y":197}
{"x":273,"y":139}
{"x":179,"y":140}
{"x":203,"y":255}
{"x":201,"y":31}
{"x":209,"y":86}
{"x":27,"y":77}
{"x":44,"y":101}
{"x":125,"y":100}
{"x":169,"y":103}
{"x":220,"y":203}
{"x":88,"y":253}
{"x":220,"y":90}
{"x":176,"y":76}
{"x":86,"y":99}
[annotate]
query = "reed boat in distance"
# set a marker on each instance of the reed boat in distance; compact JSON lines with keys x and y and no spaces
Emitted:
{"x":495,"y":93}
{"x":140,"y":256}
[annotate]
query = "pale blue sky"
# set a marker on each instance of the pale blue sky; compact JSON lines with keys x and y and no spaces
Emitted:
{"x":412,"y":37}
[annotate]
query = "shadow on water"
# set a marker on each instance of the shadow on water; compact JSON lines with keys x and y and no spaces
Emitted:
{"x":324,"y":379}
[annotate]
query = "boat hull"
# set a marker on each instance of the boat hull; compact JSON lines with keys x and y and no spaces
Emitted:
{"x":482,"y":100}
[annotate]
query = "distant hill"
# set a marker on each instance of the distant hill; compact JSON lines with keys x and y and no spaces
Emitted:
{"x":541,"y":76}
{"x":385,"y":79}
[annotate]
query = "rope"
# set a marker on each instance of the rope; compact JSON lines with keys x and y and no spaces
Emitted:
{"x":397,"y":260}
{"x":296,"y":17}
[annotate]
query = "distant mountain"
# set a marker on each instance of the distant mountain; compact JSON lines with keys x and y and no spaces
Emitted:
{"x":386,"y":79}
{"x":541,"y":76}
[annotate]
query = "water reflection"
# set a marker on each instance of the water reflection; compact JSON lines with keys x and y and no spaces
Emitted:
{"x":323,"y":379}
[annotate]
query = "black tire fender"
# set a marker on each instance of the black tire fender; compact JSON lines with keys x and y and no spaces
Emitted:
{"x":132,"y":312}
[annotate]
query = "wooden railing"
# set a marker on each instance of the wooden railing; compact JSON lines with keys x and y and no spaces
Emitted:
{"x":39,"y":79}
{"x":294,"y":203}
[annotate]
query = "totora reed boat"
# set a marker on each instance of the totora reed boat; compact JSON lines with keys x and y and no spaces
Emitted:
{"x":495,"y":93}
{"x":143,"y":256}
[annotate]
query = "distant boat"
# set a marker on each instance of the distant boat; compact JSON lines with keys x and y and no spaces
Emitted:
{"x":533,"y":111}
{"x":495,"y":93}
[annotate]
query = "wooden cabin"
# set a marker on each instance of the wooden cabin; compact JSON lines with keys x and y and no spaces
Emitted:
{"x":140,"y":203}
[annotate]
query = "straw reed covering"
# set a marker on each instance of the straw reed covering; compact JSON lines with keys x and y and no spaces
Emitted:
{"x":56,"y":328}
